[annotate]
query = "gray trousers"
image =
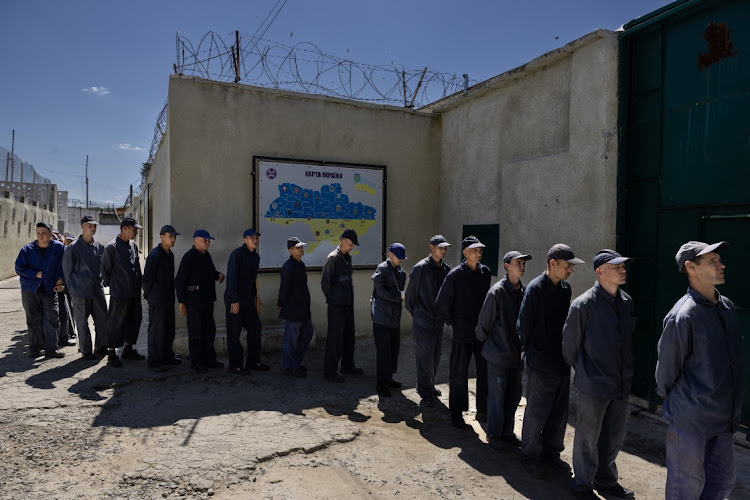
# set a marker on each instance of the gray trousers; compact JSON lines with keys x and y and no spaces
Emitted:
{"x":42,"y":320}
{"x":428,"y":348}
{"x":95,"y":307}
{"x":503,"y":396}
{"x":546,"y":414}
{"x":600,"y":432}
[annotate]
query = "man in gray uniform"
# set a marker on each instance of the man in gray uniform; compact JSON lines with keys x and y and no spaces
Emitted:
{"x":699,"y":375}
{"x":82,"y":263}
{"x":425,"y":280}
{"x":598,"y":343}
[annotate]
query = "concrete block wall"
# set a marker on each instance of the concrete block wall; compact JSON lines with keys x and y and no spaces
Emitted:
{"x":17,"y":227}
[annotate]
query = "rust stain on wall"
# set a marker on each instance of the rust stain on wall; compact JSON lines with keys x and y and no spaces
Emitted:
{"x":720,"y":45}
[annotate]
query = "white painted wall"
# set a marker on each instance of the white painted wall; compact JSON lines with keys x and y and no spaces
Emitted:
{"x":18,"y":227}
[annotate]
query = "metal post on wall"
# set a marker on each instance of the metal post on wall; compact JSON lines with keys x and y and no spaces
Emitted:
{"x":7,"y":166}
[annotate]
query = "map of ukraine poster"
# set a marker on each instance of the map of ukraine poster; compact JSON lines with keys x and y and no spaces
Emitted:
{"x":316,"y":202}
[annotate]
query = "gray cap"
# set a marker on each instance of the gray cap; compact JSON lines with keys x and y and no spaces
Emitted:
{"x":693,"y":249}
{"x":515,"y":254}
{"x":607,"y":256}
{"x":439,"y":241}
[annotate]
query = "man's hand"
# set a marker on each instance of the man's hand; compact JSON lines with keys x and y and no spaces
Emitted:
{"x":39,"y":274}
{"x":183,"y":309}
{"x":221,"y":278}
{"x":258,"y":305}
{"x":234,"y":308}
{"x":59,"y":287}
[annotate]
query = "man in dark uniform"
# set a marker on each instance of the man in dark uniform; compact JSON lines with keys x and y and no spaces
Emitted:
{"x":243,"y":305}
{"x":385,"y":308}
{"x":294,"y":308}
{"x":598,"y":343}
{"x":460,"y":300}
{"x":39,"y":265}
{"x":540,"y":322}
{"x":196,"y":294}
{"x":501,"y":349}
{"x":338,"y":287}
{"x":121,"y":272}
{"x":82,"y":267}
{"x":425,"y":280}
{"x":158,"y":290}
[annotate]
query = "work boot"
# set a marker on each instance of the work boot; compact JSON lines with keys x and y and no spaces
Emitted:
{"x":113,"y":360}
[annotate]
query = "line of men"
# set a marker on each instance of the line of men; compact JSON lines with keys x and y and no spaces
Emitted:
{"x":503,"y":328}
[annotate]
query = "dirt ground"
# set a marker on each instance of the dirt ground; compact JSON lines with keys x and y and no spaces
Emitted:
{"x":76,"y":429}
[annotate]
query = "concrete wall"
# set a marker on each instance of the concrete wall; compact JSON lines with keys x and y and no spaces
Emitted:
{"x":18,"y":227}
{"x":215,"y":129}
{"x":535,"y":151}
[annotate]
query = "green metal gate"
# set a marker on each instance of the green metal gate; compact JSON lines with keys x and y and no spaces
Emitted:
{"x":684,"y":170}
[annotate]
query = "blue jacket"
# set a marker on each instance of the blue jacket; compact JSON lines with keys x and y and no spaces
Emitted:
{"x":497,"y":325}
{"x":385,"y":305}
{"x":196,"y":270}
{"x":598,"y":343}
{"x":294,"y":296}
{"x":82,"y":264}
{"x":461,"y":297}
{"x":337,"y":279}
{"x":158,"y":277}
{"x":30,"y":261}
{"x":699,"y":371}
{"x":123,"y":278}
{"x":425,"y":280}
{"x":242,"y":271}
{"x":540,"y":323}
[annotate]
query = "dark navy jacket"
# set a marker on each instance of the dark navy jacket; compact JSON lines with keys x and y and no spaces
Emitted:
{"x":30,"y":261}
{"x":540,"y":323}
{"x":337,"y":279}
{"x":425,"y":280}
{"x":598,"y":343}
{"x":82,"y":264}
{"x":461,"y":298}
{"x":294,"y":296}
{"x":497,"y":325}
{"x":196,"y":269}
{"x":123,"y":278}
{"x":242,"y":271}
{"x":158,"y":277}
{"x":385,"y":305}
{"x":699,"y":372}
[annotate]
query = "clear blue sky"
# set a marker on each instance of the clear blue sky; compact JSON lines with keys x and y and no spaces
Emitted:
{"x":51,"y":50}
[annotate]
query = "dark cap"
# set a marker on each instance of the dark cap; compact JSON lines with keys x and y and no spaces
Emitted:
{"x":129,"y":221}
{"x":439,"y":241}
{"x":607,"y":256}
{"x":250,"y":232}
{"x":202,"y":233}
{"x":562,"y":251}
{"x":168,"y":229}
{"x":471,"y":242}
{"x":350,"y":234}
{"x":693,"y":249}
{"x":294,"y":242}
{"x":88,"y":219}
{"x":44,"y":224}
{"x":398,"y":250}
{"x":514,"y":254}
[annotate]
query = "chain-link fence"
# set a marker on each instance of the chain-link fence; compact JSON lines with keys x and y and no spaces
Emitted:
{"x":22,"y":179}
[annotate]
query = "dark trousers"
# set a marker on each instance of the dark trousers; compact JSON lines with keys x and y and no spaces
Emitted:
{"x":161,"y":332}
{"x":246,"y":318}
{"x":65,"y":329}
{"x":41,"y":320}
{"x":387,"y":344}
{"x":600,"y":432}
{"x":340,"y":340}
{"x":123,"y":321}
{"x":201,"y":333}
{"x":503,"y":396}
{"x":546,"y":414}
{"x":699,"y":466}
{"x":97,"y":308}
{"x":297,"y":337}
{"x":428,"y":348}
{"x":461,"y":354}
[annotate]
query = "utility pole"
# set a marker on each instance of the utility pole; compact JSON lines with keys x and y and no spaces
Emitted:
{"x":12,"y":155}
{"x":87,"y":182}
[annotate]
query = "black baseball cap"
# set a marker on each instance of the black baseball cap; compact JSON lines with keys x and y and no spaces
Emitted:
{"x":607,"y":256}
{"x":562,"y":251}
{"x":129,"y":221}
{"x":471,"y":242}
{"x":514,"y":254}
{"x":693,"y":249}
{"x":168,"y":229}
{"x":44,"y":224}
{"x":350,"y":234}
{"x":439,"y":241}
{"x":88,"y":219}
{"x":294,"y":242}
